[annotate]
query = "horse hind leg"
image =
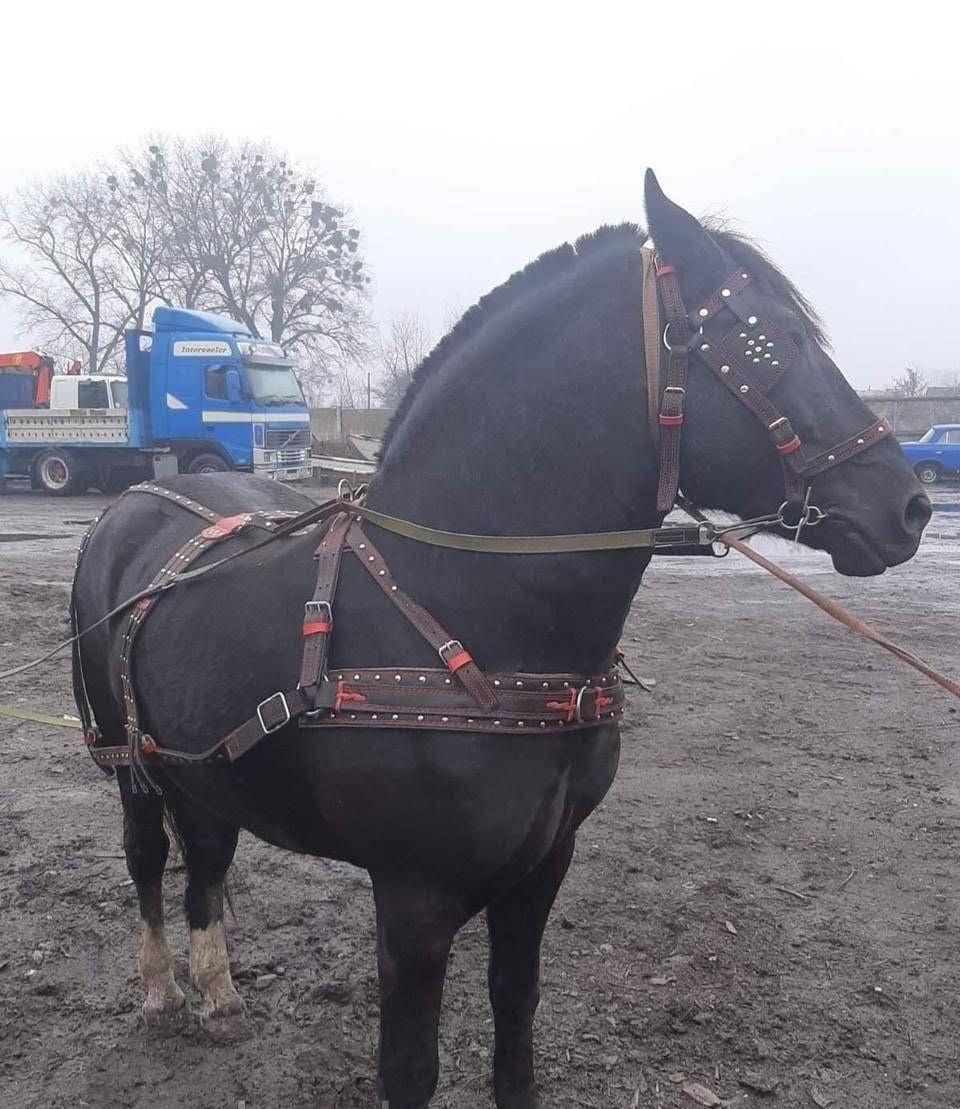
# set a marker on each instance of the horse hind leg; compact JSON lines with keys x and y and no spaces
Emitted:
{"x":208,"y":846}
{"x":145,"y":844}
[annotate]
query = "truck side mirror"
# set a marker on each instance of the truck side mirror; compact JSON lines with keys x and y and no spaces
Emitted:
{"x":234,"y":386}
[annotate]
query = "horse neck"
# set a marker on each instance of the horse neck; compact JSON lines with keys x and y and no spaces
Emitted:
{"x":544,"y":434}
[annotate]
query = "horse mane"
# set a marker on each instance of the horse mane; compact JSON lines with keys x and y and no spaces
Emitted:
{"x":554,"y":262}
{"x":564,"y":258}
{"x":745,"y":252}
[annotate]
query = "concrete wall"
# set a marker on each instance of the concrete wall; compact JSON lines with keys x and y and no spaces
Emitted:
{"x":911,"y":416}
{"x":335,"y":424}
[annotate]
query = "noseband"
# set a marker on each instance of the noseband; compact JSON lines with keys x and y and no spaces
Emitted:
{"x":749,"y":354}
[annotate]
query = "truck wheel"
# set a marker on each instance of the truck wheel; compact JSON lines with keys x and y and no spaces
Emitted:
{"x":928,"y":472}
{"x":207,"y":464}
{"x":60,"y":474}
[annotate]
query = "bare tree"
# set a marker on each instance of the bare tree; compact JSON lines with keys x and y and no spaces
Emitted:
{"x":214,"y":225}
{"x":67,"y":282}
{"x":399,"y":352}
{"x":911,"y":383}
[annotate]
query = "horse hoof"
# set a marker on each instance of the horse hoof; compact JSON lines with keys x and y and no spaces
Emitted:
{"x":518,"y":1099}
{"x":164,"y":1008}
{"x":224,"y":1019}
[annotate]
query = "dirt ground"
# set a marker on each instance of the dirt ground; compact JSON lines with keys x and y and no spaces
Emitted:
{"x":766,"y":904}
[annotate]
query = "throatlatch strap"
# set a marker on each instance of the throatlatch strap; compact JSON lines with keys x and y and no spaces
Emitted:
{"x":671,"y":406}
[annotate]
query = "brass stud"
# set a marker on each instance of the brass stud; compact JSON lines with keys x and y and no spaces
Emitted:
{"x":704,"y":312}
{"x":831,"y":458}
{"x":496,"y":681}
{"x":395,"y":717}
{"x":420,"y":716}
{"x":374,"y":717}
{"x":774,"y":363}
{"x":519,"y":685}
{"x":756,"y":361}
{"x":724,"y":292}
{"x":744,"y":388}
{"x":398,"y":677}
{"x":356,"y":677}
{"x":724,"y":369}
{"x":751,"y":320}
{"x":382,"y":573}
{"x":376,"y":677}
{"x":704,"y":346}
{"x":743,"y":334}
{"x":444,"y":719}
{"x":422,"y":678}
{"x":860,"y":442}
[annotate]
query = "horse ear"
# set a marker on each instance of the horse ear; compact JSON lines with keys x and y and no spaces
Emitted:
{"x":680,"y":240}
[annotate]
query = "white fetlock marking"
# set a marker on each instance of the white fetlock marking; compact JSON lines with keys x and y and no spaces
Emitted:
{"x":156,"y":973}
{"x":210,"y":970}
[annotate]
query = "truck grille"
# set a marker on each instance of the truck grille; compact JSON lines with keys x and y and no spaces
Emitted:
{"x":280,"y":437}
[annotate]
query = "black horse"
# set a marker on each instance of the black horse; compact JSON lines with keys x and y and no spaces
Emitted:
{"x":529,"y":417}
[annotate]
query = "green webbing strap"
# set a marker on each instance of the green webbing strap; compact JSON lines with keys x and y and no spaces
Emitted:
{"x":698,"y":535}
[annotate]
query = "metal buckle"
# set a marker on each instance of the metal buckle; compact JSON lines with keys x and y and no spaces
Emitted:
{"x":318,"y":610}
{"x":598,"y":691}
{"x":286,"y":709}
{"x":454,"y":646}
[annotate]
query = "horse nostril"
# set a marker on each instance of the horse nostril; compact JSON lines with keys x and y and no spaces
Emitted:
{"x":918,"y":513}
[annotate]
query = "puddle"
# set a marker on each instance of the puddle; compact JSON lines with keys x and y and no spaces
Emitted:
{"x":32,"y":537}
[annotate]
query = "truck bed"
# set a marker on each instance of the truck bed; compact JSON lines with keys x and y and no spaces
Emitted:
{"x":77,"y":425}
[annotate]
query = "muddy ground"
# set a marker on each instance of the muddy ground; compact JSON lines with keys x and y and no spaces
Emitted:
{"x":766,"y":904}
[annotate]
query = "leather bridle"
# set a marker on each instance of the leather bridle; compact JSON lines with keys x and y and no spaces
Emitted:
{"x":750,"y":354}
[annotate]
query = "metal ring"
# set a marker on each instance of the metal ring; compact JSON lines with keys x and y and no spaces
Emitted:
{"x":663,"y":338}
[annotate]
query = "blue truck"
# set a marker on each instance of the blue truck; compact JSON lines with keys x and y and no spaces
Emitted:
{"x":200,"y":394}
{"x":935,"y":454}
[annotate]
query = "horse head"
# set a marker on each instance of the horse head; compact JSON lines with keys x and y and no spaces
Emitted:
{"x":765,"y":402}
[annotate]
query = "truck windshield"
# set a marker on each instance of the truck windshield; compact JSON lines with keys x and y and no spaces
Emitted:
{"x":271,"y":385}
{"x":928,"y":436}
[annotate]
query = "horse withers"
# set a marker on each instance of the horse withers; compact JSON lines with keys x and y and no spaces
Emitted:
{"x":530,"y":417}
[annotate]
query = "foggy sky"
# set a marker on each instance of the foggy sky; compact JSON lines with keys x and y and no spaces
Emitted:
{"x":467,"y":139}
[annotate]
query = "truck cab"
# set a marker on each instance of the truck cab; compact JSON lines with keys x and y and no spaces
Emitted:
{"x":71,"y":391}
{"x":219,"y":397}
{"x":201,"y":393}
{"x":936,"y":453}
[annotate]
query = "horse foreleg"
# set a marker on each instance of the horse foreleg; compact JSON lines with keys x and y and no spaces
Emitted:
{"x":208,"y":847}
{"x":415,"y":927}
{"x":145,"y":845}
{"x":516,"y":922}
